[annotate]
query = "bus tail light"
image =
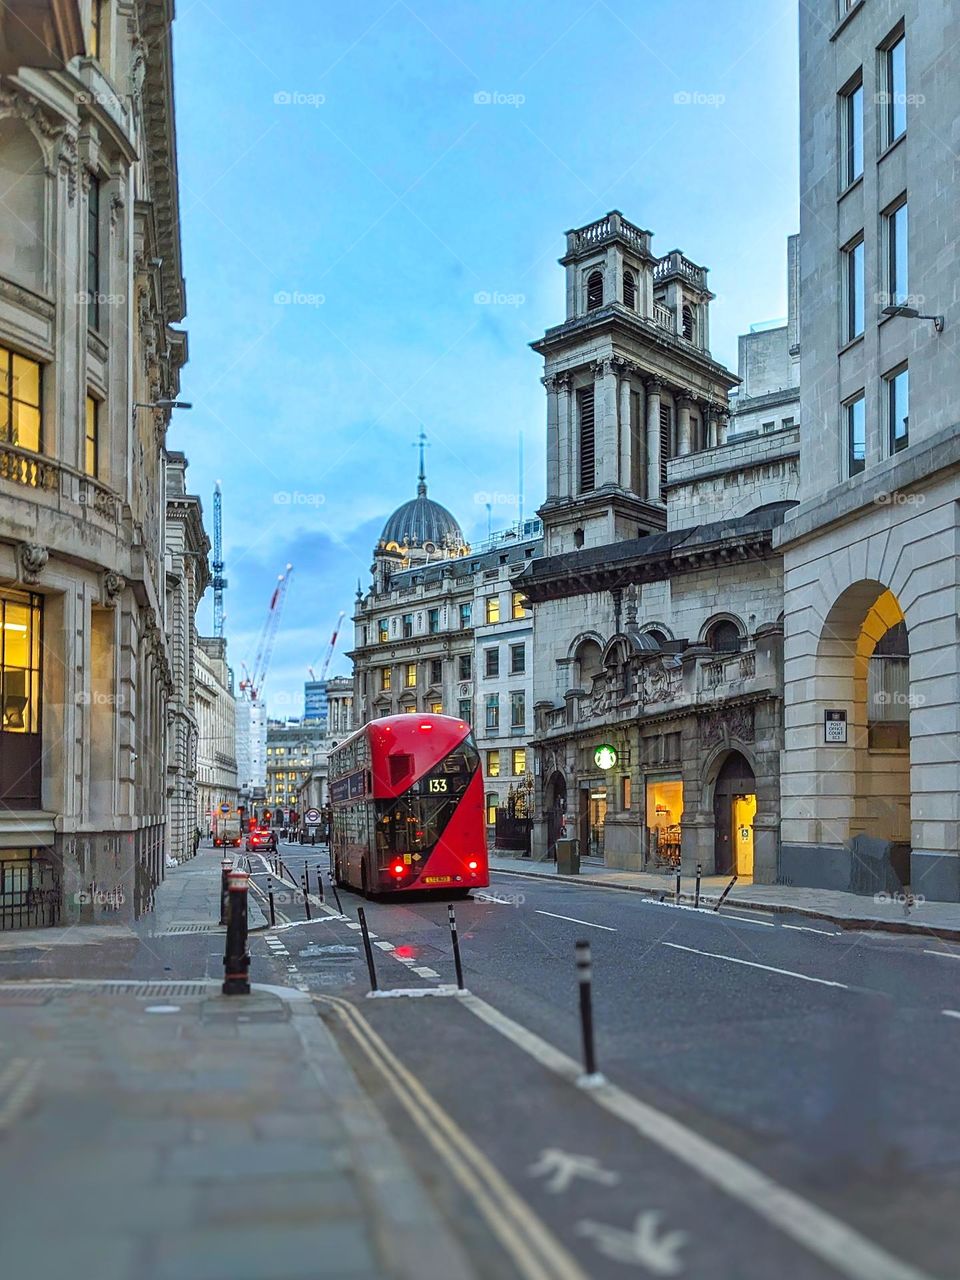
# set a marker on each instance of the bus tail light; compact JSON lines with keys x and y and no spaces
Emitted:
{"x":472,"y":864}
{"x":398,"y":869}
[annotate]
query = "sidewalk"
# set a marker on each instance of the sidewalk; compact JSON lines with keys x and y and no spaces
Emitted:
{"x":158,"y":1130}
{"x":190,"y":894}
{"x":848,"y":910}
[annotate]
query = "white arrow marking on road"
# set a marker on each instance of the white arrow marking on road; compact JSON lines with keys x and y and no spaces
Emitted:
{"x":574,"y":920}
{"x":641,"y":1245}
{"x":562,"y":1168}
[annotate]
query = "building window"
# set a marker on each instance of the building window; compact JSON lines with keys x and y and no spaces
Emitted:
{"x":386,"y":679}
{"x":492,"y":807}
{"x":491,"y":662}
{"x":93,"y":253}
{"x":20,"y":415}
{"x":594,"y":290}
{"x":383,"y":632}
{"x":853,"y":290}
{"x":898,"y":409}
{"x":851,"y":133}
{"x":95,"y":29}
{"x":465,"y":666}
{"x":856,"y":431}
{"x":724,"y":637}
{"x":492,"y":607}
{"x":518,"y":710}
{"x":493,"y":712}
{"x":465,"y":710}
{"x":666,"y":431}
{"x":519,"y":761}
{"x":630,"y":290}
{"x":411,"y":675}
{"x":466,"y":616}
{"x":436,"y":708}
{"x":585,"y":411}
{"x":366,"y":636}
{"x":895,"y":224}
{"x":20,"y":664}
{"x":493,"y":764}
{"x":518,"y":659}
{"x":626,"y":793}
{"x":518,"y":605}
{"x":893,"y":98}
{"x":407,"y":626}
{"x":433,"y":621}
{"x":688,"y":316}
{"x":436,"y":670}
{"x":91,"y":439}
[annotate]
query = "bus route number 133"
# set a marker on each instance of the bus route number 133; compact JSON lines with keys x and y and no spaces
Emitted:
{"x":436,"y":786}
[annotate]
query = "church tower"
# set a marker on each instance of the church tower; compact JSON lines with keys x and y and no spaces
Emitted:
{"x":630,"y":383}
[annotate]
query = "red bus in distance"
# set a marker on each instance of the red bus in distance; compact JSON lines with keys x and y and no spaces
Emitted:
{"x":407,"y":799}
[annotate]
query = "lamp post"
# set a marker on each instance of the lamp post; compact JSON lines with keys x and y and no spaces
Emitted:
{"x":912,"y":313}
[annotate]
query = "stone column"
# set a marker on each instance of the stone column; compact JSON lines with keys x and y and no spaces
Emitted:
{"x":625,"y":427}
{"x":638,"y":444}
{"x":553,"y":438}
{"x":566,"y":479}
{"x":712,"y":432}
{"x":684,"y":404}
{"x":653,"y":439}
{"x":723,"y":422}
{"x":605,"y":423}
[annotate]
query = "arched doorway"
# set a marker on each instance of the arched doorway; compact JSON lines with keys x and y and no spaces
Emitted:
{"x":734,"y":809}
{"x":556,"y":806}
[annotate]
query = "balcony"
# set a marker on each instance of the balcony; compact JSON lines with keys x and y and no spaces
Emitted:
{"x":613,"y":226}
{"x":664,"y":317}
{"x":675,"y":264}
{"x":52,"y":484}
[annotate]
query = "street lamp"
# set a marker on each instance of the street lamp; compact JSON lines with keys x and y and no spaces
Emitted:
{"x":911,"y":313}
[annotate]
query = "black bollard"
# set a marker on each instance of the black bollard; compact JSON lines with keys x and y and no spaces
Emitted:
{"x":333,"y":886}
{"x":225,"y":865}
{"x":320,"y":883}
{"x":306,"y":877}
{"x":306,"y":896}
{"x":361,"y":916}
{"x":451,"y":916}
{"x":723,"y":897}
{"x":236,"y":961}
{"x":696,"y":894}
{"x":677,"y":898}
{"x":585,"y":979}
{"x":273,"y":909}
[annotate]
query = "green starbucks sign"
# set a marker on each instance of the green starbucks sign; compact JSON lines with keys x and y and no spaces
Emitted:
{"x":605,"y":756}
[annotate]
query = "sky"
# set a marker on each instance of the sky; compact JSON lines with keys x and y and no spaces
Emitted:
{"x":373,"y":201}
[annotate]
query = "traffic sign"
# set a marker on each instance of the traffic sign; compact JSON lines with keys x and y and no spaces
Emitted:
{"x":312,"y":816}
{"x":224,"y":808}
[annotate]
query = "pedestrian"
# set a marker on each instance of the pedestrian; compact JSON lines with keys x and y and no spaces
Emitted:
{"x":196,"y":841}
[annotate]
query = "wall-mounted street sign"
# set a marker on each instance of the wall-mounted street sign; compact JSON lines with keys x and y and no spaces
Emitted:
{"x":312,"y":816}
{"x":834,"y":727}
{"x":224,"y":808}
{"x":605,"y":756}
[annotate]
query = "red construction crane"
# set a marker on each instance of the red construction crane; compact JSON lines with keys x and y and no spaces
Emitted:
{"x":251,"y":686}
{"x":330,"y":648}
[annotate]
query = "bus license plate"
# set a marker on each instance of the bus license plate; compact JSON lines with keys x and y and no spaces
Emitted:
{"x":437,"y":879}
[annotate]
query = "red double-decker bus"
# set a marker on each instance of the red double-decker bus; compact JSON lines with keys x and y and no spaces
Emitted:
{"x":407,"y":798}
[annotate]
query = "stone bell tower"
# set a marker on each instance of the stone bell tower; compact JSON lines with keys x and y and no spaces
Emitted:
{"x":630,"y":383}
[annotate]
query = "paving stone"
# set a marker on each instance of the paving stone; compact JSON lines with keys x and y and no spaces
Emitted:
{"x":259,"y":1159}
{"x":261,"y":1253}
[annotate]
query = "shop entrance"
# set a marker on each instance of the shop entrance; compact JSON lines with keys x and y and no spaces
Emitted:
{"x":734,"y":809}
{"x":593,"y":815}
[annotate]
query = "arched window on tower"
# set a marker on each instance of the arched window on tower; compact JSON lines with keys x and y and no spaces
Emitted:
{"x":630,"y":290}
{"x":724,"y":637}
{"x":689,"y":323}
{"x":594,"y":290}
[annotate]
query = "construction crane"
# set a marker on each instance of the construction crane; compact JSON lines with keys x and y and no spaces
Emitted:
{"x":330,"y":648}
{"x":251,"y":686}
{"x":219,"y":581}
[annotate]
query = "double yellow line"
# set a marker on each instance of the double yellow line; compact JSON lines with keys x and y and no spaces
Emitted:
{"x":535,"y":1251}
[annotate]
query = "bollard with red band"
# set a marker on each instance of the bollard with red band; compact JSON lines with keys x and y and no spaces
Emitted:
{"x":236,"y":960}
{"x":225,"y":865}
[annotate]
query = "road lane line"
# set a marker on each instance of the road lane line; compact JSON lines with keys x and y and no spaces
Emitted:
{"x":805,"y":928}
{"x":536,"y":1252}
{"x":951,"y":1013}
{"x":849,"y":1253}
{"x":765,"y":924}
{"x":950,"y":955}
{"x":752,"y":964}
{"x":574,"y":920}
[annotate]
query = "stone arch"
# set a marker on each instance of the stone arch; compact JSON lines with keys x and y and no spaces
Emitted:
{"x":23,"y":183}
{"x":734,"y":800}
{"x":717,"y":620}
{"x":554,"y":806}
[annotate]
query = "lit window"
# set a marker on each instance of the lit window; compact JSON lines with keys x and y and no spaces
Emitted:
{"x":856,"y":435}
{"x":383,"y":632}
{"x":492,"y":807}
{"x":20,"y":410}
{"x":518,"y":605}
{"x":411,"y":675}
{"x":436,"y":708}
{"x":20,"y":663}
{"x":851,"y":133}
{"x":625,"y":793}
{"x":898,"y":409}
{"x":386,"y":679}
{"x":519,"y":761}
{"x":493,"y":609}
{"x":91,"y":441}
{"x":493,"y":764}
{"x":95,"y":28}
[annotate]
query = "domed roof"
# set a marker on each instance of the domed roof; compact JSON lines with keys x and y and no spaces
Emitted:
{"x":422,"y":523}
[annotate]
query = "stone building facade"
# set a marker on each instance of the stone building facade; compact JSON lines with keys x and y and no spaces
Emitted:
{"x":656,"y":608}
{"x":872,"y":668}
{"x":216,"y":716}
{"x":293,"y":748}
{"x":188,"y":575}
{"x":90,"y":291}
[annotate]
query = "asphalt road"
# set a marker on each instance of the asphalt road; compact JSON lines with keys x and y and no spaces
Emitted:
{"x":823,"y":1059}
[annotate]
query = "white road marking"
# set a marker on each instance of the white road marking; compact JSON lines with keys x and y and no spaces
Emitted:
{"x":950,"y":955}
{"x":766,"y":924}
{"x":385,"y":946}
{"x":805,"y":928}
{"x":574,"y":920}
{"x":951,"y":1013}
{"x":561,"y":1167}
{"x":850,"y":1254}
{"x":642,"y":1245}
{"x":413,"y":992}
{"x":752,"y":964}
{"x":424,"y":972}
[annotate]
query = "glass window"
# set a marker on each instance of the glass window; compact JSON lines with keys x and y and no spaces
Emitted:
{"x":626,"y":793}
{"x":386,"y":679}
{"x":433,"y":621}
{"x":724,"y":637}
{"x":436,"y":708}
{"x":436,"y":670}
{"x":91,"y":438}
{"x":853,"y":282}
{"x":894,"y":97}
{"x":897,"y":284}
{"x":493,"y":764}
{"x":856,"y":435}
{"x":518,"y":659}
{"x":93,"y":253}
{"x":518,"y":605}
{"x":851,"y":133}
{"x":466,"y":615}
{"x":491,"y":658}
{"x":491,"y":807}
{"x":465,"y":709}
{"x":898,"y":408}
{"x":95,"y":28}
{"x":518,"y":712}
{"x":407,"y":626}
{"x":493,"y":608}
{"x":383,"y":631}
{"x":411,"y":675}
{"x":519,"y":761}
{"x":493,"y":711}
{"x":465,"y":666}
{"x":20,"y":408}
{"x":20,"y":663}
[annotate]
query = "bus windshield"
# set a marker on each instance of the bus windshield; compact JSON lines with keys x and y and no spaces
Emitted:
{"x":415,"y":821}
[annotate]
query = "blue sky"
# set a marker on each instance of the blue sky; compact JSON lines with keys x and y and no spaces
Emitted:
{"x":345,"y":197}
